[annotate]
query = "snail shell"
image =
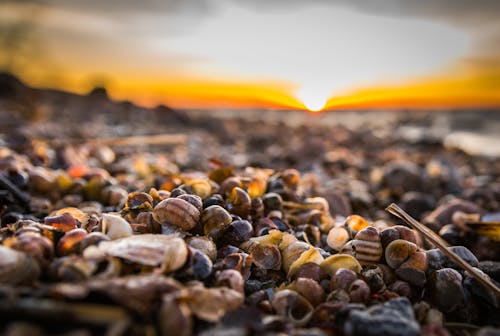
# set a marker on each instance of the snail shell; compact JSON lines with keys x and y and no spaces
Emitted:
{"x":204,"y":244}
{"x":192,"y":199}
{"x":409,"y":263}
{"x":366,"y":246}
{"x":178,"y":212}
{"x":230,"y":278}
{"x":115,"y":226}
{"x":292,"y":305}
{"x":337,"y":261}
{"x":200,"y":187}
{"x":214,"y":218}
{"x":354,"y":224}
{"x":337,"y":237}
{"x":239,"y":202}
{"x":17,"y":267}
{"x":70,"y":242}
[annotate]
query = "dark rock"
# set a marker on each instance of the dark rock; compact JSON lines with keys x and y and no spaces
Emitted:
{"x":444,"y":289}
{"x":492,"y":268}
{"x":393,"y":318}
{"x":437,"y":260}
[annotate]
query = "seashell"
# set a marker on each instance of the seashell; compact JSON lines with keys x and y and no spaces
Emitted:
{"x":359,"y":291}
{"x":272,"y":201}
{"x":192,"y":199}
{"x":256,"y":209}
{"x":292,"y":305}
{"x":337,"y":237}
{"x":230,"y":278}
{"x":177,"y":192}
{"x":64,"y":222}
{"x":445,"y":289}
{"x":33,"y":244}
{"x":342,"y":279}
{"x":413,"y":270}
{"x":139,"y":201}
{"x":337,"y":261}
{"x":309,"y":289}
{"x":239,"y":202}
{"x":354,"y":224}
{"x":76,"y":213}
{"x":114,"y":195}
{"x":320,"y":203}
{"x":257,"y":185}
{"x":198,"y":266}
{"x":147,"y":249}
{"x":444,"y":214}
{"x":115,"y":226}
{"x":338,"y":296}
{"x":70,"y":242}
{"x":290,"y":252}
{"x":41,"y":179}
{"x":175,"y":256}
{"x":214,"y":218}
{"x":210,"y":304}
{"x":17,"y":268}
{"x":310,"y":270}
{"x":158,"y":195}
{"x":398,"y":251}
{"x":204,"y":244}
{"x":234,"y":233}
{"x":311,"y":255}
{"x":175,"y":318}
{"x":397,"y":232}
{"x":266,"y":256}
{"x":200,"y":187}
{"x":177,"y":212}
{"x":215,"y":199}
{"x":77,"y":269}
{"x":365,"y":247}
{"x":374,"y":277}
{"x":229,"y":184}
{"x":91,"y":239}
{"x":291,"y":178}
{"x":242,"y":262}
{"x":402,"y":288}
{"x":273,"y":237}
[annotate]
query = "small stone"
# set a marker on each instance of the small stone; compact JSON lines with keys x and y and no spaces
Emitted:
{"x":393,"y":318}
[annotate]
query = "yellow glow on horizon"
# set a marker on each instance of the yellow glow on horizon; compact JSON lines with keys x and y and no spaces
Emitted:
{"x":314,"y":100}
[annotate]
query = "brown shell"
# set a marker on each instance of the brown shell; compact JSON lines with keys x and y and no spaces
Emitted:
{"x":366,"y":246}
{"x":398,"y":251}
{"x":214,"y":218}
{"x":239,"y":202}
{"x":70,"y":242}
{"x":292,"y":305}
{"x":354,"y":224}
{"x":178,"y":212}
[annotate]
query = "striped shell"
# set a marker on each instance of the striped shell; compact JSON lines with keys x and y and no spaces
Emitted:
{"x":366,"y":246}
{"x":177,"y":212}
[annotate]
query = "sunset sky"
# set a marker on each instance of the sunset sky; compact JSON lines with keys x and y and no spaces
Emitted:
{"x":315,"y":54}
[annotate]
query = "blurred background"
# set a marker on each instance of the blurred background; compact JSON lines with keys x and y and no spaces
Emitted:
{"x":427,"y":69}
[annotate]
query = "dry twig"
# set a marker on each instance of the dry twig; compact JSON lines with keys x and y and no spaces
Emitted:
{"x":440,"y":244}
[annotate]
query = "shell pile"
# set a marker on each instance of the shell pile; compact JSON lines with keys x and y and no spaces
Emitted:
{"x":131,"y":244}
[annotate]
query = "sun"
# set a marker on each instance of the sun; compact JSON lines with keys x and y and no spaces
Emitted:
{"x":313,"y":100}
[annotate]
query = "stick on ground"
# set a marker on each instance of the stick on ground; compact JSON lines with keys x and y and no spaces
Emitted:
{"x":440,"y":244}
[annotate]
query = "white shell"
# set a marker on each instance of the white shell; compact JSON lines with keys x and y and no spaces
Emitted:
{"x":115,"y":227}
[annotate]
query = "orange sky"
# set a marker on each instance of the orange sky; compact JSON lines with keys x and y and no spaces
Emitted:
{"x":324,"y":55}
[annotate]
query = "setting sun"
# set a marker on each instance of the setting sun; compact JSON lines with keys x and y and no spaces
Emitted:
{"x":313,"y":100}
